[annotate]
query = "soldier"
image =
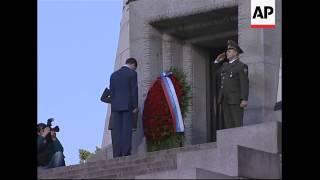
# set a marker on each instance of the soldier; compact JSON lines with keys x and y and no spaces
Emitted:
{"x":233,"y":87}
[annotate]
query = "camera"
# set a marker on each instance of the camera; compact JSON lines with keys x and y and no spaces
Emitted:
{"x":56,"y":129}
{"x":49,"y":124}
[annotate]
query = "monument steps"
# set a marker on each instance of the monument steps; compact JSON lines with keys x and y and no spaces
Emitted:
{"x":252,"y":151}
{"x":128,"y":166}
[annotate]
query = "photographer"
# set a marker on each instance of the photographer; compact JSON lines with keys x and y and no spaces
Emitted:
{"x":50,"y":150}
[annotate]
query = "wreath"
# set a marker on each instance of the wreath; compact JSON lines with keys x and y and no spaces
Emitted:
{"x":159,"y":122}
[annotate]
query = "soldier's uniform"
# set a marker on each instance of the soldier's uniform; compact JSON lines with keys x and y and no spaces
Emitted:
{"x":233,"y":87}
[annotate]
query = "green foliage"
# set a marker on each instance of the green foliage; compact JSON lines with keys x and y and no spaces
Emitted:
{"x":186,"y":88}
{"x":84,"y":155}
{"x":172,"y":141}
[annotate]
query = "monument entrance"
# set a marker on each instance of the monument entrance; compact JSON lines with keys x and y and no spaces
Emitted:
{"x":199,"y":37}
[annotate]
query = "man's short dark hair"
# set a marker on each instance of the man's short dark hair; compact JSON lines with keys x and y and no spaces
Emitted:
{"x":132,"y":61}
{"x":41,"y":126}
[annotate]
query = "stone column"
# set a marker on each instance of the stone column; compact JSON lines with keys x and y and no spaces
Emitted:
{"x":145,"y":73}
{"x":262,"y":52}
{"x":107,"y":133}
{"x":166,"y":51}
{"x":187,"y":67}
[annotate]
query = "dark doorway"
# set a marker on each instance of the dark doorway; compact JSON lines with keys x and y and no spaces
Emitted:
{"x":210,"y":32}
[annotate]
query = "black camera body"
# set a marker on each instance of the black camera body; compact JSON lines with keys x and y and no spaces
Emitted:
{"x":49,"y":124}
{"x":56,"y":129}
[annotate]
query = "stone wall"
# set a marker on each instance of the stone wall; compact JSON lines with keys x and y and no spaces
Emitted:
{"x":262,"y":52}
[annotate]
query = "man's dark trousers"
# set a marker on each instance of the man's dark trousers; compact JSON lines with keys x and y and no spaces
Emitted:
{"x":121,"y":133}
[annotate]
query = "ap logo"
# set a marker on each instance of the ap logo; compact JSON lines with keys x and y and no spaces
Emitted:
{"x":263,"y":13}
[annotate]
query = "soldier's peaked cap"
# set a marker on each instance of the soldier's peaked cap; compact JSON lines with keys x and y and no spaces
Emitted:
{"x":234,"y":45}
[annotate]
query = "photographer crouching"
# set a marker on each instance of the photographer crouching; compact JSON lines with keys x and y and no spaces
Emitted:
{"x":50,"y":150}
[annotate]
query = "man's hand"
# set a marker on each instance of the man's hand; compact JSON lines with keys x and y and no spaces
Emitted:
{"x":243,"y":104}
{"x":135,"y":110}
{"x":53,"y":135}
{"x":221,"y":57}
{"x":45,"y":132}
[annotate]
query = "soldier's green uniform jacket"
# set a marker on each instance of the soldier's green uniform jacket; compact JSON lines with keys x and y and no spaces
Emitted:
{"x":233,"y":82}
{"x":233,"y":86}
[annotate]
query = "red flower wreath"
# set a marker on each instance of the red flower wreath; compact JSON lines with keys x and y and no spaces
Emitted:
{"x":157,"y":120}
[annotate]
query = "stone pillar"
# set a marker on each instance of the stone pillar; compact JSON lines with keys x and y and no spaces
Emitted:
{"x":166,"y":51}
{"x":262,"y":52}
{"x":146,"y":75}
{"x":107,"y":133}
{"x":187,"y":67}
{"x":146,"y":47}
{"x":200,"y":108}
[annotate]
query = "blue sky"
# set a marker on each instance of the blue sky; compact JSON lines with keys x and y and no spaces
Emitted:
{"x":77,"y":44}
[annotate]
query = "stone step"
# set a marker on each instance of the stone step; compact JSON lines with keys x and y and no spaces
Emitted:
{"x":136,"y":170}
{"x":225,"y":159}
{"x":102,"y":154}
{"x":192,"y":173}
{"x":205,"y":164}
{"x":205,"y":174}
{"x":263,"y":136}
{"x":251,"y":152}
{"x":108,"y":169}
{"x":258,"y":164}
{"x":118,"y":171}
{"x":128,"y":166}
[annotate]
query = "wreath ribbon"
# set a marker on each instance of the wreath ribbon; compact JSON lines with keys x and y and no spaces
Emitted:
{"x":172,"y":100}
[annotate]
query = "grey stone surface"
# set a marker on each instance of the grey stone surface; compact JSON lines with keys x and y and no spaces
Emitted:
{"x":205,"y":161}
{"x":227,"y":161}
{"x":192,"y":173}
{"x":197,"y":159}
{"x":263,"y":136}
{"x":205,"y":174}
{"x":200,"y":96}
{"x":170,"y":174}
{"x":262,"y":53}
{"x":258,"y":164}
{"x":123,"y":167}
{"x":224,"y":159}
{"x":187,"y":67}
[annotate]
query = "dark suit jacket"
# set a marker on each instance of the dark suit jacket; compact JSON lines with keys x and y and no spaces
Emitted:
{"x":124,"y":89}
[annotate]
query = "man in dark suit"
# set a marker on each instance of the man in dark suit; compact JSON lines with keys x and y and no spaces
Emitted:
{"x":106,"y":98}
{"x":124,"y":102}
{"x":233,"y":87}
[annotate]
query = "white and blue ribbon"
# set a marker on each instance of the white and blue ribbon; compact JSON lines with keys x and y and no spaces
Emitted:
{"x":172,"y":100}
